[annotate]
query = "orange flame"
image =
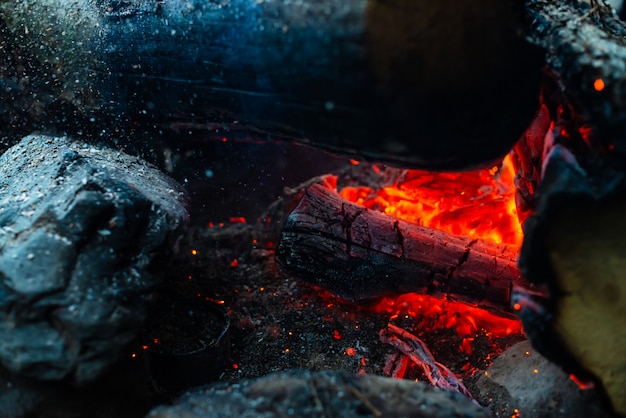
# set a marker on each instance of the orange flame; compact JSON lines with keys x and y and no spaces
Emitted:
{"x":431,"y":313}
{"x":477,"y":204}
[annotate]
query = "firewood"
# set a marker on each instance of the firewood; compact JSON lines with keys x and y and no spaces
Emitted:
{"x":418,"y":83}
{"x":575,"y":244}
{"x":527,"y":157}
{"x":320,"y":394}
{"x":416,"y":350}
{"x":359,"y":254}
{"x":586,"y":49}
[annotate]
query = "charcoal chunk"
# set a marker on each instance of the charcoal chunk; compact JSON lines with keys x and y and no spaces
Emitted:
{"x":81,"y":230}
{"x":302,"y":393}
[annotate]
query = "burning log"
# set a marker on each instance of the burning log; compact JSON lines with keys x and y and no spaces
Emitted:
{"x":360,"y":254}
{"x":369,"y":78}
{"x":528,"y":156}
{"x":81,"y":234}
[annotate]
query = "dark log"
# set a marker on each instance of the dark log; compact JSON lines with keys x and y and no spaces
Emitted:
{"x":320,"y":394}
{"x":442,"y":85}
{"x":359,"y":254}
{"x":585,"y":41}
{"x":575,"y":244}
{"x":574,"y":240}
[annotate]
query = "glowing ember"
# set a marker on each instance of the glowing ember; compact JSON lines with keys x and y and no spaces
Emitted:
{"x":598,"y":84}
{"x":431,"y":313}
{"x":476,"y":204}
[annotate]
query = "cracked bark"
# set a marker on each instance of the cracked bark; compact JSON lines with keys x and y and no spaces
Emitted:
{"x":378,"y":255}
{"x":584,"y":42}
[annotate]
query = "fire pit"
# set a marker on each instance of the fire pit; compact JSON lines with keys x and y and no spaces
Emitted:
{"x":244,"y":265}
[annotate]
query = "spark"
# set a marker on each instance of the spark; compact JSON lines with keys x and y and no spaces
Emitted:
{"x":598,"y":84}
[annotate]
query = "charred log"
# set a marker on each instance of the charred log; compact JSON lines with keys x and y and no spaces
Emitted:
{"x":359,"y":254}
{"x":528,"y":157}
{"x":575,"y":244}
{"x":585,"y":44}
{"x":318,"y":395}
{"x":365,"y":77}
{"x":574,"y":239}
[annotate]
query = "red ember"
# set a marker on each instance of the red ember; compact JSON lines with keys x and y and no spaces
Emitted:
{"x":478,"y":204}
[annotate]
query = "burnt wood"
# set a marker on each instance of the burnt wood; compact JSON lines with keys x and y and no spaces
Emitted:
{"x":585,"y":41}
{"x":359,"y":254}
{"x":312,"y":394}
{"x":442,"y":85}
{"x":574,"y":243}
{"x":527,"y":156}
{"x":574,"y":240}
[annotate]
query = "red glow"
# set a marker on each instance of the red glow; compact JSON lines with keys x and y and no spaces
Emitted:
{"x":237,"y":220}
{"x":476,"y":204}
{"x":234,"y":263}
{"x":466,"y":346}
{"x":336,"y":335}
{"x":350,"y":351}
{"x":216,"y":301}
{"x":432,"y":313}
{"x":585,"y":131}
{"x":582,"y":384}
{"x":598,"y":84}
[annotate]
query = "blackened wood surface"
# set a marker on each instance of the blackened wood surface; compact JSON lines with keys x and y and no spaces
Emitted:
{"x":575,"y":244}
{"x":585,"y":42}
{"x":419,"y":83}
{"x":315,"y":395}
{"x":359,"y":254}
{"x":527,"y":156}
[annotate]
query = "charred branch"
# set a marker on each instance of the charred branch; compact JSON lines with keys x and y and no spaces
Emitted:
{"x":360,"y":254}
